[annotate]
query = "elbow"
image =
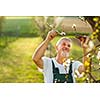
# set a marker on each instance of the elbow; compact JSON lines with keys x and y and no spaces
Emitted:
{"x":34,"y":59}
{"x":38,"y":62}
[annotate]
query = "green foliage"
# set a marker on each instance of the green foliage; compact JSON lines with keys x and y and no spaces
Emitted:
{"x":2,"y":18}
{"x":19,"y":27}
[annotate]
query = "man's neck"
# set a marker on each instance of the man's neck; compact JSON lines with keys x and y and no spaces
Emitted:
{"x":60,"y":60}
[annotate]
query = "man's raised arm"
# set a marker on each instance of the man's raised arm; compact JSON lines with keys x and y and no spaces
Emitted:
{"x":39,"y":53}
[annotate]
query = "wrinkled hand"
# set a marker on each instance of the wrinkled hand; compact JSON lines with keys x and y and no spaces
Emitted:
{"x":51,"y":35}
{"x":84,"y":44}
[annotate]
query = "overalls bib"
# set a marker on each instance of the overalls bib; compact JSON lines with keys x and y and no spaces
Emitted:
{"x":62,"y":78}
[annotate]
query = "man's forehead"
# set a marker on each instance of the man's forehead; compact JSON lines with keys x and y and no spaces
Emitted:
{"x":65,"y":41}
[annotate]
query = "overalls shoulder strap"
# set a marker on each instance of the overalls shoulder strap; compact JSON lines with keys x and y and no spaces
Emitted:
{"x":70,"y":77}
{"x":57,"y":77}
{"x":61,"y":78}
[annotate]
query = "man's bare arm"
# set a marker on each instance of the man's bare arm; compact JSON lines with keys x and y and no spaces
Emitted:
{"x":37,"y":57}
{"x":39,"y":53}
{"x":84,"y":46}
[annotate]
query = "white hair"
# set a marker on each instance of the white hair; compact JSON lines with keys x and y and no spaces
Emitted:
{"x":63,"y":38}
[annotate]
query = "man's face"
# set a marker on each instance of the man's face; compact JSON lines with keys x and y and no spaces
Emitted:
{"x":63,"y":48}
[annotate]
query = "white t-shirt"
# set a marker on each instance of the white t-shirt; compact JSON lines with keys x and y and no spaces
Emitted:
{"x":48,"y":68}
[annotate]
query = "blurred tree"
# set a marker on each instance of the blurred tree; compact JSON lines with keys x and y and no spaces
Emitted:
{"x":44,"y":22}
{"x":94,"y":21}
{"x":1,"y":24}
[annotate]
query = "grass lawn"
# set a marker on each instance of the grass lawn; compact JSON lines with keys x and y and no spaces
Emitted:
{"x":16,"y":63}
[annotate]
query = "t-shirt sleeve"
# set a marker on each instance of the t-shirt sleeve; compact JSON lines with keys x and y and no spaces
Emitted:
{"x":47,"y":69}
{"x":46,"y":62}
{"x":76,"y":65}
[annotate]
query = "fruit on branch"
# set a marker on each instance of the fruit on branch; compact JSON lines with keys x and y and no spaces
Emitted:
{"x":94,"y":21}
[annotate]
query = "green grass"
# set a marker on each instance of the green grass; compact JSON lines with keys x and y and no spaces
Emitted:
{"x":16,"y":63}
{"x":5,"y":40}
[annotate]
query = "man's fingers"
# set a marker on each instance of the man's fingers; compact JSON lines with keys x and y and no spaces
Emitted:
{"x":53,"y":33}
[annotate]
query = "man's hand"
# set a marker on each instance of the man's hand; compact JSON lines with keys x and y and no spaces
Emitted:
{"x":51,"y":35}
{"x":84,"y":43}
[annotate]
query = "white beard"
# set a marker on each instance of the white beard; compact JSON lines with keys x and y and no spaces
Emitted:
{"x":65,"y":54}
